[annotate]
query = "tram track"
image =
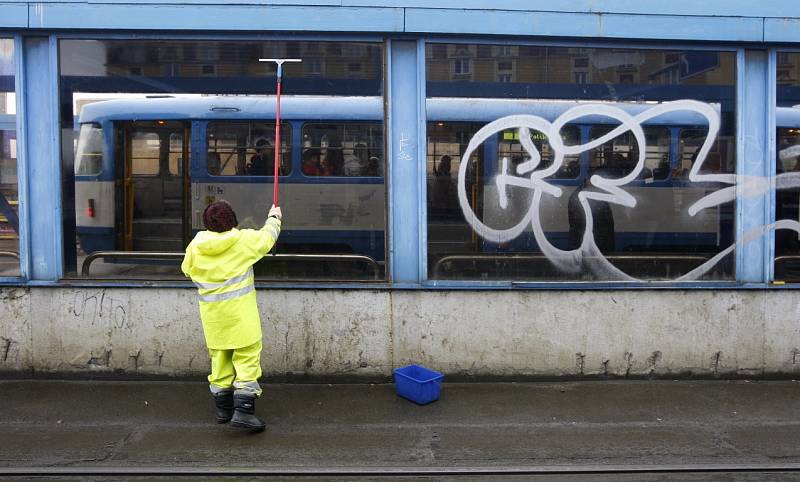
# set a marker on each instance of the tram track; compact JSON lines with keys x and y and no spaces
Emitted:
{"x":405,"y":472}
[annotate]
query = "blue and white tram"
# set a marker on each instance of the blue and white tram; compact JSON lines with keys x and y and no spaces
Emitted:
{"x":146,"y":169}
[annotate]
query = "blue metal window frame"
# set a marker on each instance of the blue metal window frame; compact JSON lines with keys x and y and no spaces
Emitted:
{"x":419,"y":261}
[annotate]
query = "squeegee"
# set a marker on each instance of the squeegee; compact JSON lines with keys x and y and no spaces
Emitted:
{"x":277,"y":147}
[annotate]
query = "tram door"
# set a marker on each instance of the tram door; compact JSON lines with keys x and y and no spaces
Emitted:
{"x":156,"y":186}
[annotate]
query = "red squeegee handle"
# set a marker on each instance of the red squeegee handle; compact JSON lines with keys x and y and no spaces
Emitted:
{"x":277,"y":141}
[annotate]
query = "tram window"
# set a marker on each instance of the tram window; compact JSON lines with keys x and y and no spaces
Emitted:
{"x":788,"y":150}
{"x":447,"y":142}
{"x":145,"y":153}
{"x":494,"y":224}
{"x":618,"y":157}
{"x":89,"y":155}
{"x":691,"y":141}
{"x":510,"y":148}
{"x":176,"y":154}
{"x":246,"y":149}
{"x":342,"y":149}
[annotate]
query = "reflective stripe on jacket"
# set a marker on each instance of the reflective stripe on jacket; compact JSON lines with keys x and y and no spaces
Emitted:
{"x":221,"y":266}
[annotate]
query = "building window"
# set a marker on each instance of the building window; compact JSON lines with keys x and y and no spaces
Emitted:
{"x":462,"y":66}
{"x":581,"y":77}
{"x":504,"y":71}
{"x":505,"y":51}
{"x":312,"y":66}
{"x":439,"y":51}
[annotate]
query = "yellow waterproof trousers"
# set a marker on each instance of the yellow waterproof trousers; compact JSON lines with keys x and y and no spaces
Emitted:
{"x":238,"y":368}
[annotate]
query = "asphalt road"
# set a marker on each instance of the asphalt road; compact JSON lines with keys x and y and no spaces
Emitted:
{"x":75,"y":427}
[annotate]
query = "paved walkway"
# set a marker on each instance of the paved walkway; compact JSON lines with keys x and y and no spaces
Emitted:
{"x":170,"y":424}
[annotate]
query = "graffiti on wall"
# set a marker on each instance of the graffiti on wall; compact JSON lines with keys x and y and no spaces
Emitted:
{"x":588,"y":255}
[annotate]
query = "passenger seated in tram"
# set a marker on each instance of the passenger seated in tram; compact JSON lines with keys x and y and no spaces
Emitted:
{"x":662,"y":170}
{"x":602,"y":217}
{"x":213,"y":162}
{"x":310,"y":164}
{"x":355,"y":162}
{"x":441,"y":181}
{"x":262,"y":162}
{"x":374,"y":167}
{"x":333,"y":162}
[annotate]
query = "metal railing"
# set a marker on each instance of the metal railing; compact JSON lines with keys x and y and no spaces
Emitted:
{"x":541,"y":257}
{"x":157,"y":255}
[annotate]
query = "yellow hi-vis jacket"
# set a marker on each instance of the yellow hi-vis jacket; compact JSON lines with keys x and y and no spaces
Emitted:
{"x":221,"y":265}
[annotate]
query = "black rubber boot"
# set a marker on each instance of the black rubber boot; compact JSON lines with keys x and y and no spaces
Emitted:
{"x":224,"y":403}
{"x":244,"y":413}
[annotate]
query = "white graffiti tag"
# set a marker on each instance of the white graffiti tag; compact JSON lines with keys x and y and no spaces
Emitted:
{"x":588,"y":256}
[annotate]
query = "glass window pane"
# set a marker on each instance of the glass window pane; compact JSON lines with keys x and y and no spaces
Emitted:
{"x":155,"y":130}
{"x":9,"y":192}
{"x":89,"y":153}
{"x":529,"y":146}
{"x":145,"y":150}
{"x":787,"y":168}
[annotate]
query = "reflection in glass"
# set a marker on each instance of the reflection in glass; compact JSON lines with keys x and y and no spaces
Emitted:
{"x":163,"y":128}
{"x":511,"y":215}
{"x":9,"y":192}
{"x":787,"y":167}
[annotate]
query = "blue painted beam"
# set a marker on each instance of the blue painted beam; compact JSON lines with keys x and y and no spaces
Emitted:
{"x":41,"y":157}
{"x":777,"y":9}
{"x":407,"y":159}
{"x":714,"y":8}
{"x":13,"y":15}
{"x":754,"y":152}
{"x":214,"y":17}
{"x":782,"y":30}
{"x":586,"y":25}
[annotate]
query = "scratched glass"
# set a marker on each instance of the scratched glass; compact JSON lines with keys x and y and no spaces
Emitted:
{"x":155,"y":130}
{"x":579,"y":164}
{"x":9,"y":193}
{"x":787,"y":169}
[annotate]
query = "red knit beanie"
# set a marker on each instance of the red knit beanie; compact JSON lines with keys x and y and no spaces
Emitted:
{"x":219,"y":217}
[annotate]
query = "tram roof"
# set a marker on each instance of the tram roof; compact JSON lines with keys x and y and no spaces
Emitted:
{"x":441,"y":109}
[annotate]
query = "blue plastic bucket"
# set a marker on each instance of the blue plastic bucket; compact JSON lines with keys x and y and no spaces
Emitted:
{"x":418,"y":384}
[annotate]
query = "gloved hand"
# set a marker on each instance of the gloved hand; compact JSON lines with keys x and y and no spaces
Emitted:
{"x":275,"y":211}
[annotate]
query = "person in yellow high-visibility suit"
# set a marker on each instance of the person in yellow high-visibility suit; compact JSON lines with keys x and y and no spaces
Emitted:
{"x":220,"y":262}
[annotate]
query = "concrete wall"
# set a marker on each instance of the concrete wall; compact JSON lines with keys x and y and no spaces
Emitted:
{"x":366,"y":333}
